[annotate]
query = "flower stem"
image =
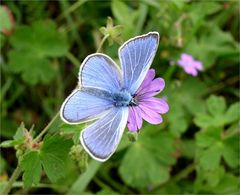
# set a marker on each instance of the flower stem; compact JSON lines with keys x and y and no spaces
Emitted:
{"x":13,"y":178}
{"x":46,"y":128}
{"x":101,"y":43}
{"x":73,"y":60}
{"x":184,"y":173}
{"x":71,"y":9}
{"x":169,"y":73}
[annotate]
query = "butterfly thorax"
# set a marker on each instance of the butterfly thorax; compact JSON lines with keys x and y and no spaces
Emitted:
{"x":124,"y":99}
{"x":121,"y":98}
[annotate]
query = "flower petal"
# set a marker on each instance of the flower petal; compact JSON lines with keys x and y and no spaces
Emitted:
{"x":149,"y":115}
{"x":198,"y":65}
{"x":159,"y":105}
{"x":190,"y":70}
{"x":134,"y":119}
{"x":186,"y":57}
{"x":147,"y":80}
{"x":155,"y":87}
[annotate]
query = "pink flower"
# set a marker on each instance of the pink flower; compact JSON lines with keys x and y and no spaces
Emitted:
{"x":146,"y":106}
{"x":190,"y":65}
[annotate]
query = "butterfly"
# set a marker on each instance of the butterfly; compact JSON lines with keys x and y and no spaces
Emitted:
{"x":106,"y":93}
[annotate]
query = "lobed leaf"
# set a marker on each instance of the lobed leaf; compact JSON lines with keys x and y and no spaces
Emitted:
{"x":31,"y":166}
{"x":53,"y":155}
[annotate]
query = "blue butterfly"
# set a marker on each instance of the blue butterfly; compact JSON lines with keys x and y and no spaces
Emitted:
{"x":105,"y":93}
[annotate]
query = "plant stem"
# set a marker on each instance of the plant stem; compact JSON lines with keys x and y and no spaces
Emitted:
{"x":40,"y":185}
{"x":184,"y":173}
{"x":46,"y":128}
{"x":101,"y":43}
{"x":13,"y":178}
{"x":71,"y":9}
{"x":73,"y":60}
{"x":101,"y":184}
{"x":169,"y":73}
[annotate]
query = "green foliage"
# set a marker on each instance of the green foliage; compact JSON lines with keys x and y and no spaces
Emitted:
{"x":136,"y":170}
{"x":213,"y":43}
{"x":185,"y":100}
{"x":52,"y":156}
{"x":32,"y":168}
{"x":32,"y":50}
{"x":217,"y":114}
{"x":18,"y":138}
{"x":196,"y":148}
{"x":213,"y":145}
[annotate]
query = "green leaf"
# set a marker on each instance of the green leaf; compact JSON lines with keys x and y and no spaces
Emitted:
{"x":126,"y":16}
{"x":210,"y":158}
{"x":199,"y":10}
{"x":53,"y":155}
{"x":179,"y":4}
{"x":213,"y":177}
{"x":20,"y":132}
{"x":229,"y":184}
{"x":208,"y":137}
{"x":140,"y":169}
{"x":185,"y":100}
{"x":203,"y":120}
{"x":177,"y":118}
{"x":34,"y":68}
{"x":233,"y":113}
{"x":10,"y":143}
{"x":212,"y":43}
{"x":41,"y":38}
{"x":165,"y":153}
{"x":217,"y":115}
{"x":231,"y":151}
{"x":33,"y":45}
{"x":216,"y":105}
{"x":122,"y":12}
{"x":32,"y":168}
{"x":18,"y":138}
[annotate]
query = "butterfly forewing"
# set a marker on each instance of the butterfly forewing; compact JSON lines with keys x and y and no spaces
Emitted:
{"x":136,"y":56}
{"x":100,"y":71}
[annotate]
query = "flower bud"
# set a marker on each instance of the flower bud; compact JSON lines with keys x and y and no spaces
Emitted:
{"x":132,"y":136}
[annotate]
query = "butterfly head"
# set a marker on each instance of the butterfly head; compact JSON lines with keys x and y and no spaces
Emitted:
{"x":134,"y":101}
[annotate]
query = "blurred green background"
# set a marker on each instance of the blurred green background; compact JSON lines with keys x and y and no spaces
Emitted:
{"x":194,"y":151}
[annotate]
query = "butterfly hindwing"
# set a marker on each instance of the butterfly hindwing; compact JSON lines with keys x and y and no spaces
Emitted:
{"x":101,"y":138}
{"x":136,"y":56}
